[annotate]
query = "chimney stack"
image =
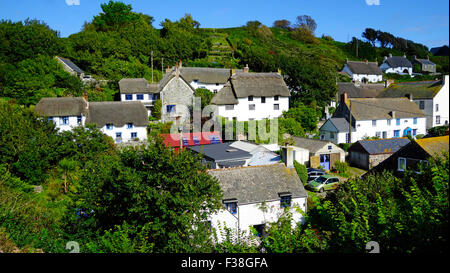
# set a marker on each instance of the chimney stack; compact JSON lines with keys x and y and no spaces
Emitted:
{"x":393,"y":114}
{"x":344,"y":97}
{"x":390,"y":55}
{"x":367,"y":61}
{"x":246,"y":69}
{"x":181,"y":64}
{"x":409,"y":96}
{"x":288,"y":156}
{"x":168,"y":69}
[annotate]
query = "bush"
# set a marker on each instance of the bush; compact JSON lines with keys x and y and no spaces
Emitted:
{"x":301,"y":171}
{"x":341,"y":167}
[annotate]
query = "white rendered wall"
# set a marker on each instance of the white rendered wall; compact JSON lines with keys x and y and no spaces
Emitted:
{"x":364,"y":128}
{"x":262,"y":110}
{"x":251,"y":214}
{"x":442,"y":98}
{"x":126,"y":133}
{"x":213,"y":87}
{"x":73,"y":122}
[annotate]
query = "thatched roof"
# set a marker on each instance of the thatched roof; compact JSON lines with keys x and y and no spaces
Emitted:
{"x":61,"y":107}
{"x":225,"y":96}
{"x":117,"y":113}
{"x":259,"y":183}
{"x":243,"y":85}
{"x":369,"y":68}
{"x":206,"y":74}
{"x":137,"y":86}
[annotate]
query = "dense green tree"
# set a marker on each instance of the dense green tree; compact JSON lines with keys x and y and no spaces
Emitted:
{"x":149,"y":188}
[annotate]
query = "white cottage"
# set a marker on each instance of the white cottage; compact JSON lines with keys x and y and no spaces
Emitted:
{"x":365,"y":72}
{"x":139,"y":90}
{"x":123,"y":121}
{"x":374,"y":117}
{"x":396,"y":64}
{"x":432,"y":97}
{"x":66,"y":113}
{"x":256,"y":196}
{"x":252,"y":96}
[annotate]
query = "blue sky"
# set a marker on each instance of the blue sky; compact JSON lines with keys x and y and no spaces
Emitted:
{"x":426,"y":22}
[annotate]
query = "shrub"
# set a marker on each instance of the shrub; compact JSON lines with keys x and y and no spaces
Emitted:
{"x":341,"y":167}
{"x":301,"y":171}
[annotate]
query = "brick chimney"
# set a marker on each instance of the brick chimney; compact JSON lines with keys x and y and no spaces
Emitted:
{"x":366,"y":61}
{"x":246,"y":69}
{"x":85,"y":97}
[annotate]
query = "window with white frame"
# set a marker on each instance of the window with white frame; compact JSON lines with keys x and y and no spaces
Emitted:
{"x":438,"y":119}
{"x":401,"y":164}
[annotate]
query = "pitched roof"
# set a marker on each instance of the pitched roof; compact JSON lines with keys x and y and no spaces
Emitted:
{"x":359,"y":91}
{"x":242,"y":85}
{"x":117,"y":113}
{"x":369,"y":68}
{"x":259,"y":85}
{"x":419,"y":90}
{"x":206,"y":74}
{"x":341,"y":124}
{"x":260,"y":154}
{"x":310,"y":144}
{"x":434,"y":145}
{"x":424,"y":61}
{"x":137,"y":86}
{"x":60,"y":107}
{"x":382,"y":108}
{"x":398,"y":61}
{"x":225,"y":96}
{"x":259,"y":183}
{"x":168,"y":76}
{"x":380,"y":146}
{"x":70,"y":64}
{"x":221,"y":152}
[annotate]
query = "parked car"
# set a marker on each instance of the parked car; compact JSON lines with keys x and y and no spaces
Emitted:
{"x":324,"y":182}
{"x":314,"y":173}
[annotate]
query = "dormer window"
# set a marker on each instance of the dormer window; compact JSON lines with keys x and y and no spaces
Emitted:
{"x":130,"y":126}
{"x":128,"y":97}
{"x":109,"y":126}
{"x":250,"y":98}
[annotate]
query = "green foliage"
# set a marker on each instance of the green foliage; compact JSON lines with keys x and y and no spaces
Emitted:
{"x":114,"y":16}
{"x":306,"y":116}
{"x":205,"y":95}
{"x":341,"y":167}
{"x":438,"y":130}
{"x":301,"y":171}
{"x":156,"y":111}
{"x":166,"y":196}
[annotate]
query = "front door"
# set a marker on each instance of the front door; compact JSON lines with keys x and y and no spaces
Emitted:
{"x":407,"y":132}
{"x":325,"y":161}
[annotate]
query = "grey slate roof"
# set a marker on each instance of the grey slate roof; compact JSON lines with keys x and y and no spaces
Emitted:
{"x":369,"y":68}
{"x":70,"y":64}
{"x":424,"y":61}
{"x":242,"y":85}
{"x":381,"y":108}
{"x":60,"y":107}
{"x":380,"y":146}
{"x":341,"y":124}
{"x":137,"y":86}
{"x":259,"y":183}
{"x":222,"y":152}
{"x":312,"y":145}
{"x":117,"y":113}
{"x":169,"y":76}
{"x":361,"y":91}
{"x":398,"y":61}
